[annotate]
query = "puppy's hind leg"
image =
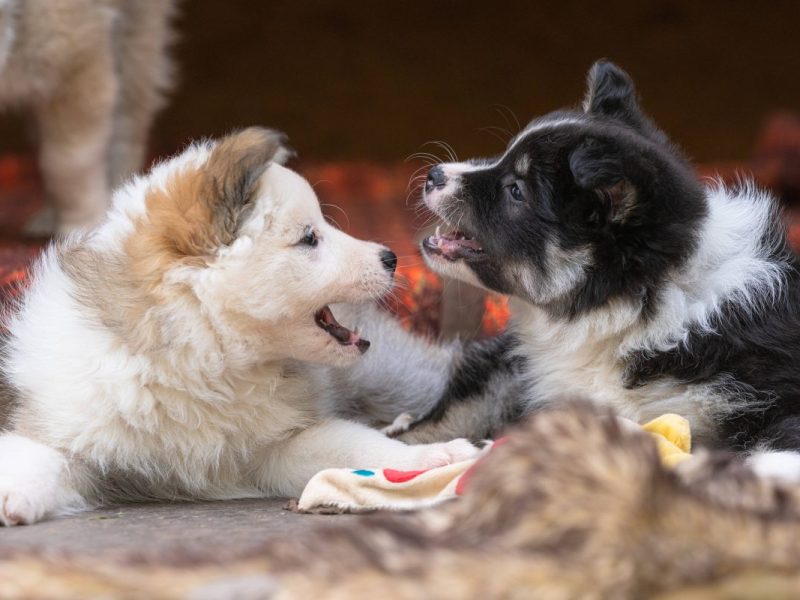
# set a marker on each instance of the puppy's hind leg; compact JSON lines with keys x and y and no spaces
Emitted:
{"x":34,"y":482}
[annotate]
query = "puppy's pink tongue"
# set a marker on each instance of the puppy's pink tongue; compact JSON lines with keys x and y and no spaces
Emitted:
{"x":325,"y":320}
{"x":450,"y":245}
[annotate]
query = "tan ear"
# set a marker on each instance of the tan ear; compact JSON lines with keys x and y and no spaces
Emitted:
{"x":201,"y":209}
{"x":232,"y":174}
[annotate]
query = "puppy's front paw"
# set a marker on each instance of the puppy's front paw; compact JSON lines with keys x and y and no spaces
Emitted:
{"x":438,"y":455}
{"x":31,"y":482}
{"x":17,"y":509}
{"x":401,"y":424}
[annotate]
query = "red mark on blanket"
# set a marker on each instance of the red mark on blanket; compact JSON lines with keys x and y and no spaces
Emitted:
{"x":394,"y":476}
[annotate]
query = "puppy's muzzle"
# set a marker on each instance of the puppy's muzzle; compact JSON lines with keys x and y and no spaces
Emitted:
{"x":436,"y":179}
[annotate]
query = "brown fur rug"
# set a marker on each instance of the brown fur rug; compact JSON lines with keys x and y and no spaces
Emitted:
{"x":570,"y":507}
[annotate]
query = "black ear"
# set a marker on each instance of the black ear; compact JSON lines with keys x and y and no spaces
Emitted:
{"x":598,"y":168}
{"x":610,"y":92}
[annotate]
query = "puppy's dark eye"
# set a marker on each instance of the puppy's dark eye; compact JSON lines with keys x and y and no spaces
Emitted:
{"x":516,"y":192}
{"x":309,"y":238}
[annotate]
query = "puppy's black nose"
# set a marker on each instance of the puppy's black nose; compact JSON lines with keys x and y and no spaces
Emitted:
{"x":436,"y":178}
{"x":389,"y":260}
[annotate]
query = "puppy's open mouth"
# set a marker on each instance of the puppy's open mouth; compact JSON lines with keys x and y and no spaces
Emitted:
{"x":453,"y":246}
{"x":327,"y":322}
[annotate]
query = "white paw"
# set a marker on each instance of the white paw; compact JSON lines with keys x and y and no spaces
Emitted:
{"x":18,"y":508}
{"x":439,"y":455}
{"x":31,"y":482}
{"x":401,"y":424}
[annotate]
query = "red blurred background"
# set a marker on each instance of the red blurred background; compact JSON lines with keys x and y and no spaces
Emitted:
{"x":360,"y":86}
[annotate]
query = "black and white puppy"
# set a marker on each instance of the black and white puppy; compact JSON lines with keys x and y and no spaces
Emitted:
{"x":632,"y":283}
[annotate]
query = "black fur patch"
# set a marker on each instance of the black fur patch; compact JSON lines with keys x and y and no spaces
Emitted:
{"x":478,"y":365}
{"x":757,"y":355}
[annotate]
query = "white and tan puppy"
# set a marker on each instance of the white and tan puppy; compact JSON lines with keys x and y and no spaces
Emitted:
{"x":168,"y":353}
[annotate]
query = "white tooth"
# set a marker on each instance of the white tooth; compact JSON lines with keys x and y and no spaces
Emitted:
{"x":438,"y":227}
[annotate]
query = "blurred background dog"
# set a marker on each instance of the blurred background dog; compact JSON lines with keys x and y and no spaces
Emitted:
{"x":93,"y":73}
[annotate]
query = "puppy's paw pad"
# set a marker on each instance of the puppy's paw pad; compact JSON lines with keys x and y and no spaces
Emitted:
{"x":17,"y":509}
{"x":461,"y":449}
{"x":439,"y":455}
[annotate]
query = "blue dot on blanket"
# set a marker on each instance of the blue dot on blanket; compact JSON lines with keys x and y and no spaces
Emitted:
{"x":364,"y":472}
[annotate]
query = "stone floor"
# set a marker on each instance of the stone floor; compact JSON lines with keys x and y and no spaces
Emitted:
{"x":229,"y":527}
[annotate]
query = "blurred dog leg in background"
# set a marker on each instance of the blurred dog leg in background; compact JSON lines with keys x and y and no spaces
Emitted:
{"x":463,"y":305}
{"x":93,"y":73}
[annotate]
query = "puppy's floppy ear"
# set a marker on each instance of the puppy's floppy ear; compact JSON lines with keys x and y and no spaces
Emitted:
{"x":200,"y":209}
{"x":597,"y":167}
{"x":233,"y":171}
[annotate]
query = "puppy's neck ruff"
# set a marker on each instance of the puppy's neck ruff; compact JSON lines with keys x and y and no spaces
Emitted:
{"x":741,"y":258}
{"x":741,"y":262}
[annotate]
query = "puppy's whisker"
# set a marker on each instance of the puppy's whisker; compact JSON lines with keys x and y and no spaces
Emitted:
{"x":493,"y":131}
{"x":416,"y":182}
{"x":340,"y":209}
{"x":425,"y":156}
{"x":332,"y":221}
{"x":419,"y":172}
{"x":448,"y":149}
{"x":505,"y":112}
{"x":414,"y":192}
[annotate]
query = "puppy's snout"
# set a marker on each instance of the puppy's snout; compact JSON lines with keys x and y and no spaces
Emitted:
{"x":389,"y":260}
{"x":436,"y":179}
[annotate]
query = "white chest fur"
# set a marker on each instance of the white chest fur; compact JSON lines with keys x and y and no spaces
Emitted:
{"x":89,"y":396}
{"x":569,"y":361}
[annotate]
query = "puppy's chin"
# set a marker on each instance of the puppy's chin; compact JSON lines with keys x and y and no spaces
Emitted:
{"x":318,"y":347}
{"x":458,"y":269}
{"x":342,"y":357}
{"x":333,"y":355}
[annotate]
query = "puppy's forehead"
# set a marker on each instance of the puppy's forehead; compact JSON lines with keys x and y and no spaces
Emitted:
{"x":548,"y":123}
{"x":518,"y":156}
{"x":522,"y":163}
{"x":288,"y":193}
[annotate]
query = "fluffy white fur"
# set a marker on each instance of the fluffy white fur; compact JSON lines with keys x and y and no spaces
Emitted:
{"x":217,"y":398}
{"x":784,"y":465}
